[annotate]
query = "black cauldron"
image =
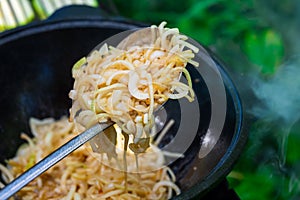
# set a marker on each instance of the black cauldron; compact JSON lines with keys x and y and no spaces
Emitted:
{"x":35,"y":78}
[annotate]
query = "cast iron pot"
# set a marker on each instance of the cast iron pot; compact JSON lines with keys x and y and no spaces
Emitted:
{"x":35,"y":78}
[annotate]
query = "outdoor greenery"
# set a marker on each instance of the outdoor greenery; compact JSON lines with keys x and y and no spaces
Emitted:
{"x":251,"y":37}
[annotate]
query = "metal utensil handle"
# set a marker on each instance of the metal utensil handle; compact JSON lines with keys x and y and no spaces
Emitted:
{"x":51,"y":160}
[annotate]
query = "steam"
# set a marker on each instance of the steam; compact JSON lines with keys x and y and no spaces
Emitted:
{"x":280,"y":94}
{"x":279,"y":106}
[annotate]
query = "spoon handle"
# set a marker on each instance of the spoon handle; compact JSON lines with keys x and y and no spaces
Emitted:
{"x":51,"y":160}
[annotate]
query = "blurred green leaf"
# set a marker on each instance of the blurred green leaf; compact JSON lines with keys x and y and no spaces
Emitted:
{"x":264,"y":183}
{"x":260,"y":181}
{"x":200,"y":7}
{"x":197,"y":23}
{"x":293,"y":144}
{"x":293,"y":152}
{"x":265,"y":49}
{"x":201,"y":34}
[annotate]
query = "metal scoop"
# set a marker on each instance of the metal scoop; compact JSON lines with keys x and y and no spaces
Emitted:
{"x":21,"y":181}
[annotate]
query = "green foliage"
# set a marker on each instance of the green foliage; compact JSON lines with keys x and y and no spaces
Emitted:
{"x":195,"y":18}
{"x":211,"y":20}
{"x":264,"y":49}
{"x":269,"y":167}
{"x":262,"y":184}
{"x":261,"y":181}
{"x":293,"y":152}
